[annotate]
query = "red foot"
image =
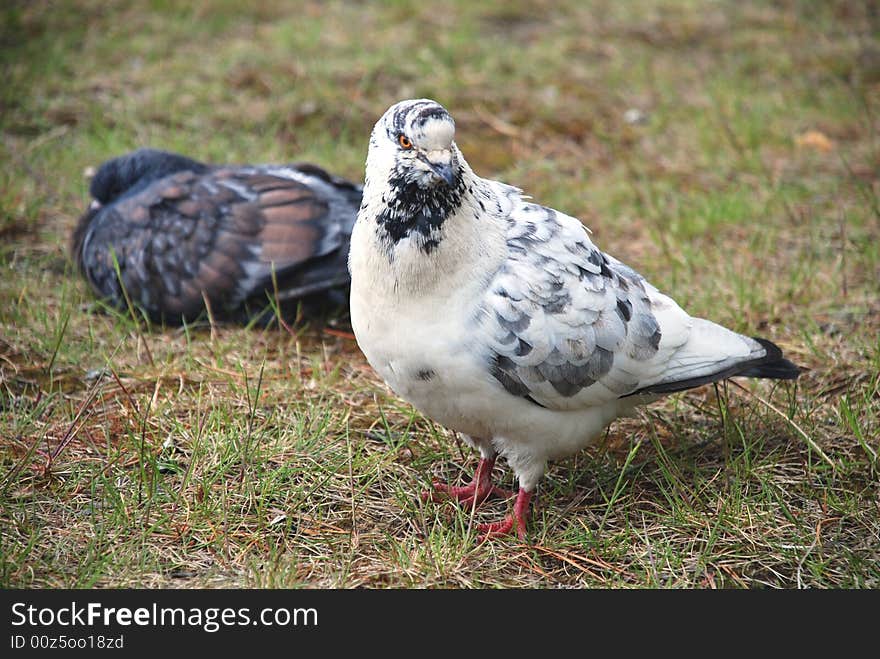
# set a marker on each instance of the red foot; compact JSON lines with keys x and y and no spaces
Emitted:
{"x":516,"y":521}
{"x":479,"y":489}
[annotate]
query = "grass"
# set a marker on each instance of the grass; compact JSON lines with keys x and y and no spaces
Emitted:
{"x":226,"y":456}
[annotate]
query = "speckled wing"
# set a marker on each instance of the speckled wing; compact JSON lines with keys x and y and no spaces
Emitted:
{"x":569,"y":326}
{"x":219,"y":236}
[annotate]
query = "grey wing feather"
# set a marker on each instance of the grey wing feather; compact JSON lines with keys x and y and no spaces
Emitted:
{"x":569,"y":326}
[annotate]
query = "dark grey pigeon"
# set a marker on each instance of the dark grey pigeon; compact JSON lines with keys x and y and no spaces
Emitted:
{"x":185,"y":234}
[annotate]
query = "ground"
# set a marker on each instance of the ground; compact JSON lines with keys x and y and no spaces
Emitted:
{"x":726,"y":150}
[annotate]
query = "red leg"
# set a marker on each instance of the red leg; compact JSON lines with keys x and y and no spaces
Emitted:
{"x":477,"y":491}
{"x":516,"y":521}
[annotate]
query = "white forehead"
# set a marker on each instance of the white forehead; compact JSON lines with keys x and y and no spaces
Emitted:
{"x":425,"y":122}
{"x":434,"y":134}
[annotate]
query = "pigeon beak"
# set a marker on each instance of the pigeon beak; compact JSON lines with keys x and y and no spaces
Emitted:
{"x":445,"y":172}
{"x":442,"y":169}
{"x":95,"y":205}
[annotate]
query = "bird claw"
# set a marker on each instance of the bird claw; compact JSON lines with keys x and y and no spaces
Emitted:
{"x":477,"y":491}
{"x":468,"y":495}
{"x":472,"y":494}
{"x":502,"y":528}
{"x":514,"y":522}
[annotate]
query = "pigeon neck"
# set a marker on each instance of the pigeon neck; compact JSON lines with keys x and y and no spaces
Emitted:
{"x":416,"y":213}
{"x":458,"y":254}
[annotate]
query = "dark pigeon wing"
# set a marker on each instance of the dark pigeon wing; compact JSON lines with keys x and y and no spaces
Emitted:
{"x":301,"y":250}
{"x":225,"y":237}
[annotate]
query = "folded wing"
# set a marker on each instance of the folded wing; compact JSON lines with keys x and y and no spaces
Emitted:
{"x":571,"y":327}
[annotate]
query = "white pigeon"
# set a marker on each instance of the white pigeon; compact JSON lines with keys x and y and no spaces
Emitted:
{"x":500,"y":319}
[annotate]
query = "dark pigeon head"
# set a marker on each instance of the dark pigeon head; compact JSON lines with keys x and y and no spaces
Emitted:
{"x":136,"y":170}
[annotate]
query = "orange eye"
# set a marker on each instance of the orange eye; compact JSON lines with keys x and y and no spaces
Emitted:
{"x":404,"y":141}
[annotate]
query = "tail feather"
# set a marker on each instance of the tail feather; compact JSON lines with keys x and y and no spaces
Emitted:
{"x":771,"y":365}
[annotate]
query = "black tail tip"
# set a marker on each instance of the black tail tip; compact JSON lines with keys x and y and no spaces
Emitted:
{"x":773,"y":365}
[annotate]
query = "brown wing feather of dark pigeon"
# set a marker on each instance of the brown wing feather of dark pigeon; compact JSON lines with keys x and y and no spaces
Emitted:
{"x":220,"y":237}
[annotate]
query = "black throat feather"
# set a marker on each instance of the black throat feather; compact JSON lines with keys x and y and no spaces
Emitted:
{"x":417,"y":212}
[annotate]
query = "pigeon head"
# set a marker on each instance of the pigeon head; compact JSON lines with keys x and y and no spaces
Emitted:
{"x":415,"y":176}
{"x":134,"y":171}
{"x":416,"y":139}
